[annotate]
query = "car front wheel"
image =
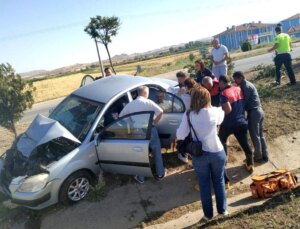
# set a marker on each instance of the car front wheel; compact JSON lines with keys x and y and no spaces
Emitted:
{"x":75,"y":187}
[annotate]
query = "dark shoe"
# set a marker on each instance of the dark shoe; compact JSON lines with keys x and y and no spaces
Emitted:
{"x":138,"y":179}
{"x":162,"y":176}
{"x":204,"y":220}
{"x":265,"y":159}
{"x":291,"y":84}
{"x":261,"y":160}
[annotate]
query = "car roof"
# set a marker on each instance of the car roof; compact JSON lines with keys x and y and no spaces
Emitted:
{"x":104,"y":89}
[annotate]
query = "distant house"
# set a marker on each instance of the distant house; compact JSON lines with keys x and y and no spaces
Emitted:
{"x":256,"y":33}
{"x":291,"y":25}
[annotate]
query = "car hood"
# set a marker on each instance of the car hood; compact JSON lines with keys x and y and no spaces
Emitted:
{"x":40,"y":131}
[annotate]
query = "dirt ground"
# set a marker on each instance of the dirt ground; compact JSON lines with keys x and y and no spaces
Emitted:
{"x":281,"y":211}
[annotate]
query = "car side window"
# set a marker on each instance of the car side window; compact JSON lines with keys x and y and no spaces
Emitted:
{"x":114,"y":110}
{"x":132,"y":126}
{"x":169,"y":102}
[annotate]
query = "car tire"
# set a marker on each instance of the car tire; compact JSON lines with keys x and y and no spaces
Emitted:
{"x":75,"y":187}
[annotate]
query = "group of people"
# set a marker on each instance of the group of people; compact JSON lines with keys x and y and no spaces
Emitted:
{"x":217,"y":109}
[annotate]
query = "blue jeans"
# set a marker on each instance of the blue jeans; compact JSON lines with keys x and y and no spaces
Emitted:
{"x":156,"y":152}
{"x":209,"y":167}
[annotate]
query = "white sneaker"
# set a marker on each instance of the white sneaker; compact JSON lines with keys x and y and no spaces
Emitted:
{"x":183,"y":158}
{"x":226,"y":213}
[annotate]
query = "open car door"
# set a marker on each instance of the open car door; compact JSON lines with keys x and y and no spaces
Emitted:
{"x":123,"y":146}
{"x":173,"y":108}
{"x":87,"y":79}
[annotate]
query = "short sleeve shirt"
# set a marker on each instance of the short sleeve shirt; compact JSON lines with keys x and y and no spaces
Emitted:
{"x":283,"y":40}
{"x":235,"y":97}
{"x":218,"y":54}
{"x":141,"y":104}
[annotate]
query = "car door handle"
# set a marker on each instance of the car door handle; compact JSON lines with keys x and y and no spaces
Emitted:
{"x":173,"y":122}
{"x":137,"y":149}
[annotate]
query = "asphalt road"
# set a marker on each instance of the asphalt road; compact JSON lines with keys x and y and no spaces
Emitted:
{"x":241,"y":65}
{"x":247,"y":63}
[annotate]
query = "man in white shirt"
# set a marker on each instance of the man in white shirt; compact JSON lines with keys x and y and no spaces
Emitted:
{"x":142,"y":103}
{"x":218,"y":57}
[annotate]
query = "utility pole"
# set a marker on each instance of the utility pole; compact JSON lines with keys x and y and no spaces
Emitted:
{"x":99,"y":58}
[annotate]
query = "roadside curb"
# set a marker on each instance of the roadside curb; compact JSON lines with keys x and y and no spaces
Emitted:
{"x":236,"y":203}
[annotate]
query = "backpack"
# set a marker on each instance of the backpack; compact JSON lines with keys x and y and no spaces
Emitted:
{"x":266,"y":185}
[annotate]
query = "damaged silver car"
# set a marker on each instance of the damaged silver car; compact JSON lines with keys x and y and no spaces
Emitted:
{"x":59,"y":157}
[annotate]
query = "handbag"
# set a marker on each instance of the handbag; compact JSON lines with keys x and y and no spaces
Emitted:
{"x":193,"y":147}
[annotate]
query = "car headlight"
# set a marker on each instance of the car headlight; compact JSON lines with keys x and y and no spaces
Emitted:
{"x":34,"y":183}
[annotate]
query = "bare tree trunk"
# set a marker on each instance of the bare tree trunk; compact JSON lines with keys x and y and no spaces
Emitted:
{"x":106,"y":47}
{"x":99,"y":58}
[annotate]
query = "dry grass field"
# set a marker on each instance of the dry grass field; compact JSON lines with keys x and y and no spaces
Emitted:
{"x":52,"y":88}
{"x":58,"y":87}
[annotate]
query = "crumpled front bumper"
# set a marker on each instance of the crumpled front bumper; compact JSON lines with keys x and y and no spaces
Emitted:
{"x":33,"y":200}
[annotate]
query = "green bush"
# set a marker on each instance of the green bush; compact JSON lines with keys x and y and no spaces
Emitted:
{"x":264,"y":91}
{"x":246,"y":46}
{"x":267,"y":71}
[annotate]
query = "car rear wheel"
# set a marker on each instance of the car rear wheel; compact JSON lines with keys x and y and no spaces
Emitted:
{"x":75,"y":187}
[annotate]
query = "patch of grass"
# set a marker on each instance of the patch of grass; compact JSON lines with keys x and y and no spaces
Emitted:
{"x":97,"y":192}
{"x":266,"y":71}
{"x":265,"y":91}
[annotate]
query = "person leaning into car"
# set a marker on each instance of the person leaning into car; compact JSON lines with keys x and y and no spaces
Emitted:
{"x":255,"y":116}
{"x":211,"y":165}
{"x":142,"y":103}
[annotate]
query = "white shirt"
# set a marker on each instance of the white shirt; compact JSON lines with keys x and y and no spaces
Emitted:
{"x":141,"y":104}
{"x":186,"y":98}
{"x":205,"y":124}
{"x":219,"y":53}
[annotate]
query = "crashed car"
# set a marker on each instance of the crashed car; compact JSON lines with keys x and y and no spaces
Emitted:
{"x":59,"y":157}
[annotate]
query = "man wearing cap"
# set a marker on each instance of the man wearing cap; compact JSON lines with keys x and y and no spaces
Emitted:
{"x":282,"y":49}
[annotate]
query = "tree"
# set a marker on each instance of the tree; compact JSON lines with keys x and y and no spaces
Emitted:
{"x":246,"y":46}
{"x":192,"y":57}
{"x":102,"y":29}
{"x":15,"y":97}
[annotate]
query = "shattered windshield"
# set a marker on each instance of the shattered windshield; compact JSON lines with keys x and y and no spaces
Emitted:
{"x":77,"y":115}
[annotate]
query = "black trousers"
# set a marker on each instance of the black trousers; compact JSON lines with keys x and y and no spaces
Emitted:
{"x":286,"y":60}
{"x":240,"y":134}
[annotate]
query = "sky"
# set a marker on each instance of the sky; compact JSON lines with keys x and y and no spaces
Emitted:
{"x":49,"y":34}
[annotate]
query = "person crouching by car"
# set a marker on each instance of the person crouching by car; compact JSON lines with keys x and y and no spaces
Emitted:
{"x":211,"y":165}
